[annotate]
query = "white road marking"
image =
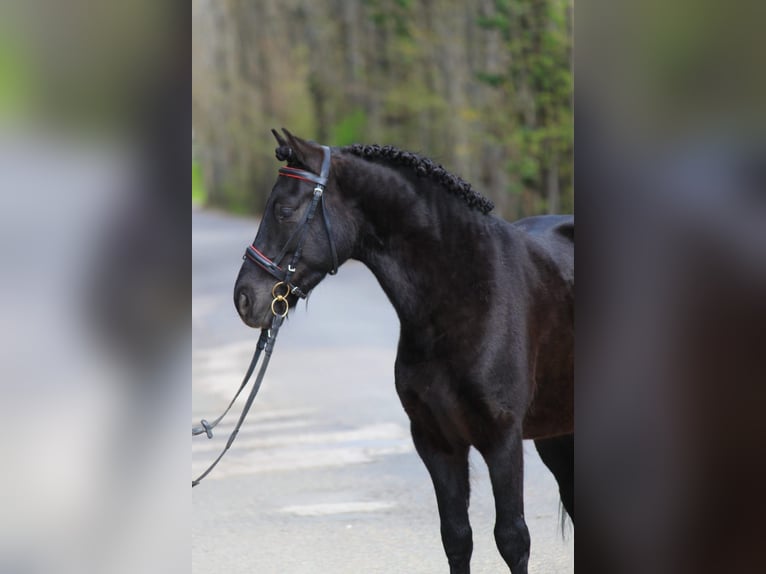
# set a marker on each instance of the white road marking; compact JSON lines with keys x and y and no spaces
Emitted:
{"x":304,"y":451}
{"x":389,"y":432}
{"x":336,"y":508}
{"x":256,"y":416}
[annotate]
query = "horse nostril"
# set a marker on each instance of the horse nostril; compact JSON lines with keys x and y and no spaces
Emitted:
{"x":243,"y":303}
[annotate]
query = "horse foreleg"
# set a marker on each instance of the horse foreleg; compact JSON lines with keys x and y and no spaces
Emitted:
{"x":505,"y":461}
{"x":449,"y":473}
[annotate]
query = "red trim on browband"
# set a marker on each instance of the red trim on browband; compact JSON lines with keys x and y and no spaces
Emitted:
{"x":295,"y":177}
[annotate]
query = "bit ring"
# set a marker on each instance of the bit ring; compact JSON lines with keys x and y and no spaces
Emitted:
{"x":279,"y":299}
{"x":277,"y":286}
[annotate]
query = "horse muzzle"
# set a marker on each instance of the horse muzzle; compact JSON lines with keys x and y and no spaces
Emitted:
{"x":252,"y":313}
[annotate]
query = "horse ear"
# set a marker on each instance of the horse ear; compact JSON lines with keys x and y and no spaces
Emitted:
{"x":283,"y":151}
{"x":280,"y":140}
{"x":307,"y":153}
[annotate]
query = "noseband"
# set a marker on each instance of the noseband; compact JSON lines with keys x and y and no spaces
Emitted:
{"x":269,"y":336}
{"x":272,"y":266}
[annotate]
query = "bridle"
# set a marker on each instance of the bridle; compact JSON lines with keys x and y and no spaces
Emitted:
{"x":279,"y":292}
{"x":299,"y":236}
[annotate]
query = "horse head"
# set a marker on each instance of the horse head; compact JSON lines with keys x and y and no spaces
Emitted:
{"x":305,"y":233}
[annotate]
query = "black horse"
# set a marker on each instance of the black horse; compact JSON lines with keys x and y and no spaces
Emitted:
{"x":485,"y":356}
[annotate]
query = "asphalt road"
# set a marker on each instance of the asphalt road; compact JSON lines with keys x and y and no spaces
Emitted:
{"x":323,"y":477}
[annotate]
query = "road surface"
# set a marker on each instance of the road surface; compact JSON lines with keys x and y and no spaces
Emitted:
{"x":323,"y":477}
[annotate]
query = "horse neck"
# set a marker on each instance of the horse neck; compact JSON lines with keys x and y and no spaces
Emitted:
{"x":422,"y":243}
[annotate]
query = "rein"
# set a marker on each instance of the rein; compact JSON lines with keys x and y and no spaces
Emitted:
{"x":279,"y":303}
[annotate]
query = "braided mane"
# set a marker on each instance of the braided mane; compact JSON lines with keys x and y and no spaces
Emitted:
{"x":425,"y":167}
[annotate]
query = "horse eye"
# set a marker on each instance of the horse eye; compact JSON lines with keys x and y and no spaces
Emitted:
{"x":283,"y":212}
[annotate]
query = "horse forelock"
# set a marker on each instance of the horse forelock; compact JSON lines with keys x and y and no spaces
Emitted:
{"x":284,"y":152}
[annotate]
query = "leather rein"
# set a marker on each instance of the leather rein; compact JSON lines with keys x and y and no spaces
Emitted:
{"x":280,"y":292}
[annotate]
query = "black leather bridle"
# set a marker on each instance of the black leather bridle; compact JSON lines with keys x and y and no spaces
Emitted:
{"x":279,"y":304}
{"x":298,"y":236}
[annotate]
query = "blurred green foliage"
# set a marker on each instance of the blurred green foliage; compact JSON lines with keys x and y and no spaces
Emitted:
{"x":199,"y":195}
{"x":484,"y":88}
{"x":15,"y":87}
{"x":350,"y":129}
